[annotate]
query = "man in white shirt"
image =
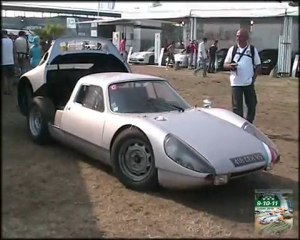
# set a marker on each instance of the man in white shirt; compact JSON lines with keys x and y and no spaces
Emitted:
{"x":202,"y":57}
{"x":7,"y":62}
{"x":22,"y":52}
{"x":244,"y":63}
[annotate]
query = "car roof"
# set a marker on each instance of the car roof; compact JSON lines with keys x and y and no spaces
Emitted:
{"x":105,"y":79}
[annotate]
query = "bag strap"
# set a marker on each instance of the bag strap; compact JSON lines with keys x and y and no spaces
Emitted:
{"x":234,"y":52}
{"x":252,"y":54}
{"x":242,"y":54}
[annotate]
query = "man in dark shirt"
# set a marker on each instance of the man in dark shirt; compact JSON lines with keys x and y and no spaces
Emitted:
{"x":212,"y":56}
{"x":170,"y":50}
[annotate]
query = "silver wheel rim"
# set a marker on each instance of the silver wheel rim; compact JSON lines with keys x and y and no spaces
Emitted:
{"x":135,"y":161}
{"x":35,"y":121}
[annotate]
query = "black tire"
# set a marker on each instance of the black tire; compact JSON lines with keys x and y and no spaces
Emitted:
{"x":25,"y":95}
{"x":142,"y":151}
{"x":151,"y":60}
{"x":42,"y":111}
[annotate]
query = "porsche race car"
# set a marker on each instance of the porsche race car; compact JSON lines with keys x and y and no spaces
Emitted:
{"x":138,"y":124}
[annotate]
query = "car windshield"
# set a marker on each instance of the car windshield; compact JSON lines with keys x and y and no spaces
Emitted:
{"x":151,"y":49}
{"x":145,"y":96}
{"x":222,"y":52}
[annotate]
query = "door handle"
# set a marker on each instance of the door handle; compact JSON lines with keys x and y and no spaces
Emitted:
{"x":68,"y":108}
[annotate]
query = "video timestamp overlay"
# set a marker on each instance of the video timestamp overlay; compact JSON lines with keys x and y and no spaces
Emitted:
{"x":273,"y":211}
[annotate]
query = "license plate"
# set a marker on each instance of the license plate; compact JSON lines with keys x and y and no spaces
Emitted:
{"x":247,"y":159}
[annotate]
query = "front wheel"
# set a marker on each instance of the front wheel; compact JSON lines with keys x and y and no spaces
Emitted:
{"x":133,"y":160}
{"x":151,"y":60}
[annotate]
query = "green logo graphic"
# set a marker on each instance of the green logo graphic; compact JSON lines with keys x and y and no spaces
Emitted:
{"x":267,"y":201}
{"x":273,"y":211}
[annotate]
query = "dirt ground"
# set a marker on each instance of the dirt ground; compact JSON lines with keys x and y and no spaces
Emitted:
{"x":53,"y":191}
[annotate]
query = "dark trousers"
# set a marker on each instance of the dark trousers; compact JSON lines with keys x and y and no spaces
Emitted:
{"x":250,"y":99}
{"x":211,"y":65}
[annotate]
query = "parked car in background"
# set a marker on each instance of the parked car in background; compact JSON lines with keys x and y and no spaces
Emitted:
{"x":144,"y":57}
{"x":181,"y":57}
{"x":221,"y":55}
{"x":268,"y":59}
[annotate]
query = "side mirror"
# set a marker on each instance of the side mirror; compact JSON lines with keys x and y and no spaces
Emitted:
{"x":207,"y":103}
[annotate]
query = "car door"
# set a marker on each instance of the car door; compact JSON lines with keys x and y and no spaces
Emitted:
{"x":84,"y":117}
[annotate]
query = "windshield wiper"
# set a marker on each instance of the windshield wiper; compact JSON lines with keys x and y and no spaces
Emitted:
{"x":156,"y":102}
{"x":180,"y":109}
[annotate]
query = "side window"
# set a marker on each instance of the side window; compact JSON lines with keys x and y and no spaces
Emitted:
{"x":91,"y":97}
{"x":44,"y":58}
{"x":163,"y":91}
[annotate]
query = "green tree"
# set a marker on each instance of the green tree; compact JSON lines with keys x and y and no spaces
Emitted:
{"x":51,"y":32}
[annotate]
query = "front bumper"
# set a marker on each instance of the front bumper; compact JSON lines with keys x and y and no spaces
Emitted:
{"x":137,"y":60}
{"x":174,"y":180}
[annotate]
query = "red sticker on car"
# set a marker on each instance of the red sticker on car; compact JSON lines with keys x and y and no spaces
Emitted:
{"x":113,"y":87}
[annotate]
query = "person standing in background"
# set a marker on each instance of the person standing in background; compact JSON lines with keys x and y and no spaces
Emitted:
{"x":122,"y":47}
{"x":189,"y":51}
{"x":7,"y":63}
{"x":202,"y":57}
{"x":181,"y":45}
{"x":194,"y":56}
{"x":212,"y":56}
{"x":22,"y":52}
{"x":170,"y":50}
{"x":35,"y":53}
{"x":244,"y":64}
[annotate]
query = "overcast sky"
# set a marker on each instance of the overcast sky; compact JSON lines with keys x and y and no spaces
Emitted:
{"x":130,"y":6}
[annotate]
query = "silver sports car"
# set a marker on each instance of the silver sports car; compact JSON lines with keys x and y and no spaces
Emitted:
{"x":146,"y":131}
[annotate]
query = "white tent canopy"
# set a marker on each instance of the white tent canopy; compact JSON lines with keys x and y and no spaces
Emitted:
{"x":170,"y":10}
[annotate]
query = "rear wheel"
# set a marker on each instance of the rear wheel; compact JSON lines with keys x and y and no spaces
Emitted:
{"x":133,"y":160}
{"x":25,"y":95}
{"x":40,"y":114}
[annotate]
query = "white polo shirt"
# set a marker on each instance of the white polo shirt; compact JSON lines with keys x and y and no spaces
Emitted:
{"x":243,"y":75}
{"x":202,"y":51}
{"x":7,"y":51}
{"x":21,"y":45}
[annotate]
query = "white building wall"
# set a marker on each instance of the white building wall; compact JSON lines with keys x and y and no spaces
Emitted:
{"x":151,"y":23}
{"x":265,"y":32}
{"x":148,"y":37}
{"x":138,"y":37}
{"x":223,"y":32}
{"x":136,"y":46}
{"x":265,"y":35}
{"x":295,"y":38}
{"x":128,"y":32}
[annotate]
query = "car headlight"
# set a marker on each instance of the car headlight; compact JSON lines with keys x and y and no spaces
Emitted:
{"x":186,"y":156}
{"x":248,"y":127}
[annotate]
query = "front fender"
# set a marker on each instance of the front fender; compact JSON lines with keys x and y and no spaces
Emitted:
{"x":226,"y":115}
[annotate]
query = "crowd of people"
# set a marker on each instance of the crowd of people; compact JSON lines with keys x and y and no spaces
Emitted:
{"x":242,"y":57}
{"x":200,"y":56}
{"x":18,"y":56}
